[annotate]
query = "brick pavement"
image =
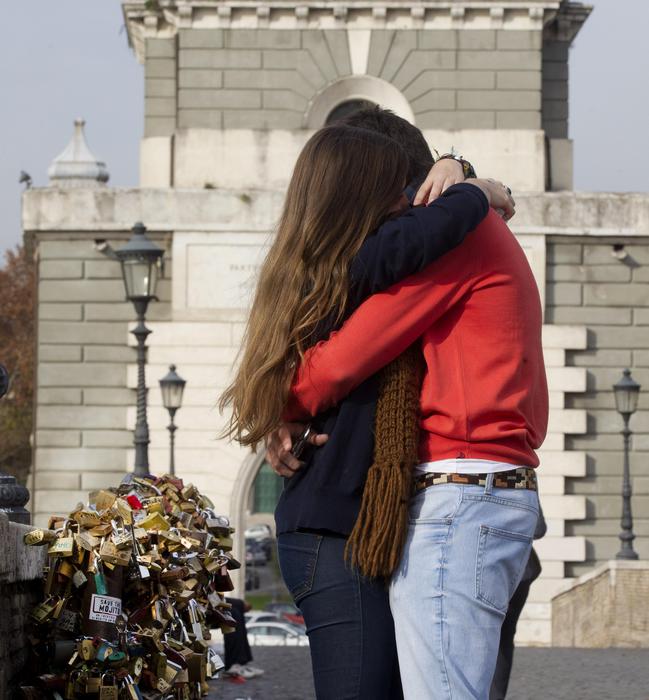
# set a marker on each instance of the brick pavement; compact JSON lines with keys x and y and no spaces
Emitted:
{"x":539,"y":674}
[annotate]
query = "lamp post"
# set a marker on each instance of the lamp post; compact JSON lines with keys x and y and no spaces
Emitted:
{"x":627,"y":392}
{"x":140,"y":259}
{"x":172,"y":387}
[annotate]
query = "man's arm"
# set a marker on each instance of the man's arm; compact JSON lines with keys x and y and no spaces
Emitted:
{"x":407,"y":244}
{"x":378,"y":332}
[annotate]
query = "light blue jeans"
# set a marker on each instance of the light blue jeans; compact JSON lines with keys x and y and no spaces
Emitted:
{"x":466,"y":550}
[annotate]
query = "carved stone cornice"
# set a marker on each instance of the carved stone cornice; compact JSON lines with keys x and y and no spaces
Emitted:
{"x":567,"y":22}
{"x":163,"y":18}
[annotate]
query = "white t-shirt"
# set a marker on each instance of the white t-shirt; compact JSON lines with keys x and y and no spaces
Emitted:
{"x":464,"y":466}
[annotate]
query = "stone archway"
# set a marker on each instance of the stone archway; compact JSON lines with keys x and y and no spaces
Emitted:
{"x":357,"y":87}
{"x":238,"y":507}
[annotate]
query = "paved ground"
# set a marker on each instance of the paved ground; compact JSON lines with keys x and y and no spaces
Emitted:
{"x":539,"y":674}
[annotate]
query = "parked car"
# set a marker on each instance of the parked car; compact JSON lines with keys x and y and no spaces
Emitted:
{"x":262,"y":535}
{"x":253,"y":616}
{"x":288,"y":611}
{"x":255,"y":554}
{"x":258,"y":532}
{"x":271,"y":634}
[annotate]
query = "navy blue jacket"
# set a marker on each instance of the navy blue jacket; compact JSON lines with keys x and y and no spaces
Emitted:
{"x":325,"y":494}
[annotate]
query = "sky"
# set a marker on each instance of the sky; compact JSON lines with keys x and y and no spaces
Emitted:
{"x":63,"y":59}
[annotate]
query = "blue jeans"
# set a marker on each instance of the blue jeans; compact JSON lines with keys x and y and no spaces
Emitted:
{"x":348,"y":620}
{"x":466,"y":550}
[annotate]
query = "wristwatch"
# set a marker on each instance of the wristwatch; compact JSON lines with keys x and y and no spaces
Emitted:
{"x":467,"y":168}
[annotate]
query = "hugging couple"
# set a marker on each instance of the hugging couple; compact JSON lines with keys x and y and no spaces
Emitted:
{"x":396,"y":332}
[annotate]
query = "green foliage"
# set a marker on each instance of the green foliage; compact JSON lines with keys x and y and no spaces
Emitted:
{"x":17,"y":355}
{"x":258,"y":600}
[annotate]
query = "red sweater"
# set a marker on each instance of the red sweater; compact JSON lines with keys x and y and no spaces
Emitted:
{"x":478,"y":314}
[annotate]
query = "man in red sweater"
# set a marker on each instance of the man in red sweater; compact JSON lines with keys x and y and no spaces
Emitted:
{"x":484,"y":409}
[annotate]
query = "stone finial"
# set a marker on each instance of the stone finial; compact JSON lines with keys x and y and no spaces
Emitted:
{"x":76,"y":166}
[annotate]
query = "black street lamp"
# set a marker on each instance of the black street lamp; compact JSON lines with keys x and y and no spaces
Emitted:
{"x":140,"y":259}
{"x":172,"y":387}
{"x":627,"y":393}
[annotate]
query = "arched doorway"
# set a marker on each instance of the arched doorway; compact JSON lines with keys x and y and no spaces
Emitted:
{"x":348,"y":92}
{"x":255,"y":495}
{"x":344,"y":109}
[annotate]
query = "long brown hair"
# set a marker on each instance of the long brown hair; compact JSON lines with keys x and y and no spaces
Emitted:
{"x":344,"y":184}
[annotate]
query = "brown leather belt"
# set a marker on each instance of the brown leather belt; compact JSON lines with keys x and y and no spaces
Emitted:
{"x":520,"y":478}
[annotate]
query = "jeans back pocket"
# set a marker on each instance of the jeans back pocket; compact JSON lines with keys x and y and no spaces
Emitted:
{"x":502,"y":556}
{"x":298,"y":558}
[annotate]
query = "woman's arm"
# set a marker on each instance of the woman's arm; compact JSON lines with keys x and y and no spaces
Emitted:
{"x":378,"y":331}
{"x":407,"y":244}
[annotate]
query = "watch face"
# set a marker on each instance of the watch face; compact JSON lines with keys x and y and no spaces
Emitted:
{"x":4,"y":381}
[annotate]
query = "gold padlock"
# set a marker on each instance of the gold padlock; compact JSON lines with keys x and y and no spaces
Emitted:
{"x":66,"y":569}
{"x":86,"y":541}
{"x":39,"y":537}
{"x":87,"y":518}
{"x":87,"y":649}
{"x":61,"y":547}
{"x":190,"y":491}
{"x":154,"y":521}
{"x":135,"y":667}
{"x":93,"y":684}
{"x":43,"y":611}
{"x":111,"y":555}
{"x":159,"y":663}
{"x":173,"y":497}
{"x":102,"y":500}
{"x":108,"y":689}
{"x":70,"y":684}
{"x":172,"y":670}
{"x":101,"y":530}
{"x":225,"y":543}
{"x":123,"y":510}
{"x":80,"y":682}
{"x":163,"y":686}
{"x":155,"y":504}
{"x":58,"y":608}
{"x":122,"y":539}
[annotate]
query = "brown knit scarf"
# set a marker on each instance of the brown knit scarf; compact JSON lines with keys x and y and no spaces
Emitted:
{"x":375,"y":544}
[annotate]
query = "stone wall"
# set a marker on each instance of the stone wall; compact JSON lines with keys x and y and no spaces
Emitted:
{"x":82,"y":441}
{"x":555,"y":89}
{"x":21,"y":570}
{"x":267,"y":78}
{"x":605,"y":608}
{"x":587,"y":285}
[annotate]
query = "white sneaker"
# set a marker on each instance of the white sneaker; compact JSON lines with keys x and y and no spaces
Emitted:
{"x":243,"y":671}
{"x":235,"y":670}
{"x":254,"y":671}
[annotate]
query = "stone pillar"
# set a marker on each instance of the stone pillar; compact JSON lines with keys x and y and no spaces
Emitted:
{"x":21,"y":570}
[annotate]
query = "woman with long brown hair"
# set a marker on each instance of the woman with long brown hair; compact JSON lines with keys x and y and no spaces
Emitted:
{"x":344,"y":234}
{"x":328,"y":213}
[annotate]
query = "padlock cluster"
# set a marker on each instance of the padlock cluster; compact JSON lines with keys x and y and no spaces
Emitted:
{"x":134,"y":582}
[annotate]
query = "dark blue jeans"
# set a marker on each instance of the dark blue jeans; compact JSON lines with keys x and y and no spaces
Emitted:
{"x":348,"y":620}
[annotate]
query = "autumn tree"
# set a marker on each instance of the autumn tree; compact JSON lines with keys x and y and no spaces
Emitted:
{"x":17,"y":355}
